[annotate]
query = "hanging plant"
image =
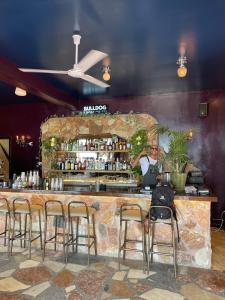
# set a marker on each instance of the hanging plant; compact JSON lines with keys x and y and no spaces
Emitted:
{"x":138,"y":141}
{"x":51,"y":144}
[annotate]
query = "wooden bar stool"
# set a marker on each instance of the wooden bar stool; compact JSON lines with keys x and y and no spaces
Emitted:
{"x":131,"y":212}
{"x":55,"y":208}
{"x":23,"y":208}
{"x":151,"y":237}
{"x":77,"y":210}
{"x":6,"y":211}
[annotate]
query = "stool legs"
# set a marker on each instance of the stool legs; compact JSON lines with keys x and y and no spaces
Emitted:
{"x":55,"y":209}
{"x":152,"y":242}
{"x":94,"y":234}
{"x":131,"y":212}
{"x":78,"y":210}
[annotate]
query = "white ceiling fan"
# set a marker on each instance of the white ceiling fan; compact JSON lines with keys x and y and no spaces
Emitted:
{"x":79,"y":68}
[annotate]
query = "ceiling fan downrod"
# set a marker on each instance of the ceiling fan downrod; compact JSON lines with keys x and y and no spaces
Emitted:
{"x":76,"y":40}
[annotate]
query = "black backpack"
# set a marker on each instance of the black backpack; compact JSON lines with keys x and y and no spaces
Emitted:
{"x":163,"y":196}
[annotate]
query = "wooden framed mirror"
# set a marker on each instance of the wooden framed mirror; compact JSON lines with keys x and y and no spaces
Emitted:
{"x":4,"y":158}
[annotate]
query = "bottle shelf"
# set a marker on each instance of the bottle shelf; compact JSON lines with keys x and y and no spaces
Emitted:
{"x":90,"y":171}
{"x":92,"y":151}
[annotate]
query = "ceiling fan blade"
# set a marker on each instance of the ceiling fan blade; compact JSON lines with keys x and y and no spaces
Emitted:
{"x":94,"y":81}
{"x":90,"y":59}
{"x":43,"y":71}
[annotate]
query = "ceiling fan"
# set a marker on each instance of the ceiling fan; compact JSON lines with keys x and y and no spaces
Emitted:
{"x":79,"y":68}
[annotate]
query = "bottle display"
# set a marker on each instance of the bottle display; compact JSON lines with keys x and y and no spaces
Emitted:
{"x":89,"y":159}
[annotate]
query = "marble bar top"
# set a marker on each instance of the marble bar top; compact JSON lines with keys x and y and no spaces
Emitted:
{"x":208,"y":198}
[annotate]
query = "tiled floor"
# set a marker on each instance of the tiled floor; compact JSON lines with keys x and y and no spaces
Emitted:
{"x":23,"y":279}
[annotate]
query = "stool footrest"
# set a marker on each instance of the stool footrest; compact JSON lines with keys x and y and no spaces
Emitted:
{"x":161,"y":253}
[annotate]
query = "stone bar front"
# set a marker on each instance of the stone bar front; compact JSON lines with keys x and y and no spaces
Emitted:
{"x":193,"y":214}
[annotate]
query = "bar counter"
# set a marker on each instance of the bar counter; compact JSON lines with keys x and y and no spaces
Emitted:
{"x":193,"y":214}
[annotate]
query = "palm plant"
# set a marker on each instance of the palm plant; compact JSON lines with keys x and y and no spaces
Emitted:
{"x":177,"y":155}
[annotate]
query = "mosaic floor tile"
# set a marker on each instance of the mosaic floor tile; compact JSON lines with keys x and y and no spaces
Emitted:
{"x":160,"y":294}
{"x":114,"y":265}
{"x":37,"y":289}
{"x":138,"y":274}
{"x":192,"y":292}
{"x":121,"y":289}
{"x":75,"y":296}
{"x":13,"y":297}
{"x":12,"y":285}
{"x":7,"y":273}
{"x":70,"y":288}
{"x":213,"y":281}
{"x":105,"y":295}
{"x":28,"y":264}
{"x":119,"y":275}
{"x":75,"y":267}
{"x":90,"y":282}
{"x":63,"y":279}
{"x":33,"y":275}
{"x":141,"y":287}
{"x":133,"y":280}
{"x":54,"y":265}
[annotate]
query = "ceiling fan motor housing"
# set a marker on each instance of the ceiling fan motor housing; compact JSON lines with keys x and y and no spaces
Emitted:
{"x":76,"y":39}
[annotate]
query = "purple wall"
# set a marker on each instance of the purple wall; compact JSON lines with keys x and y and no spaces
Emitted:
{"x":177,"y":110}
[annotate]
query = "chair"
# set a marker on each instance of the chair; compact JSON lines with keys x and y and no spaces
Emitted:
{"x":151,"y":236}
{"x":131,"y":212}
{"x":55,"y":208}
{"x":5,"y":209}
{"x":22,"y":207}
{"x":77,"y":210}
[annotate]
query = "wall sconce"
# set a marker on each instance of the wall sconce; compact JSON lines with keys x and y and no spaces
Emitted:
{"x":106,"y":72}
{"x":182,"y":70}
{"x":24,"y":141}
{"x":20,"y":92}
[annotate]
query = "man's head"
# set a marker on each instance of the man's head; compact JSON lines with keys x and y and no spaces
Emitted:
{"x":153,"y":148}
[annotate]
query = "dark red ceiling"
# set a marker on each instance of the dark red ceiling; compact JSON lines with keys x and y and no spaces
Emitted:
{"x":142,"y":39}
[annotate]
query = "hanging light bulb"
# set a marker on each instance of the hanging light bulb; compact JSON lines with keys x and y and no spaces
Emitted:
{"x":106,"y":73}
{"x":182,"y":70}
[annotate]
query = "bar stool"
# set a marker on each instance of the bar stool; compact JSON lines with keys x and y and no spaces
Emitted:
{"x":151,"y":237}
{"x":5,"y":209}
{"x":131,"y":212}
{"x":55,"y":208}
{"x":22,"y":207}
{"x":77,"y":210}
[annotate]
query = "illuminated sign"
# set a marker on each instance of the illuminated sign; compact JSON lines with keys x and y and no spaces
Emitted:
{"x":95,"y":109}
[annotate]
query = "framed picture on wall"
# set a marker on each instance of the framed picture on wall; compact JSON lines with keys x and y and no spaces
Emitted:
{"x":4,"y":158}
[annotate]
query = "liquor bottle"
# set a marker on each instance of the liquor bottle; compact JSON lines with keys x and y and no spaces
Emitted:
{"x":110,"y":146}
{"x":85,"y":146}
{"x":92,"y":146}
{"x":113,"y":146}
{"x":76,"y":165}
{"x":68,"y":164}
{"x":117,"y":164}
{"x":46,"y":183}
{"x":72,"y":164}
{"x":30,"y":180}
{"x":62,"y":165}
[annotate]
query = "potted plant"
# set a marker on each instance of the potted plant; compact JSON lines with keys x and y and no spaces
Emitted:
{"x":177,"y":156}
